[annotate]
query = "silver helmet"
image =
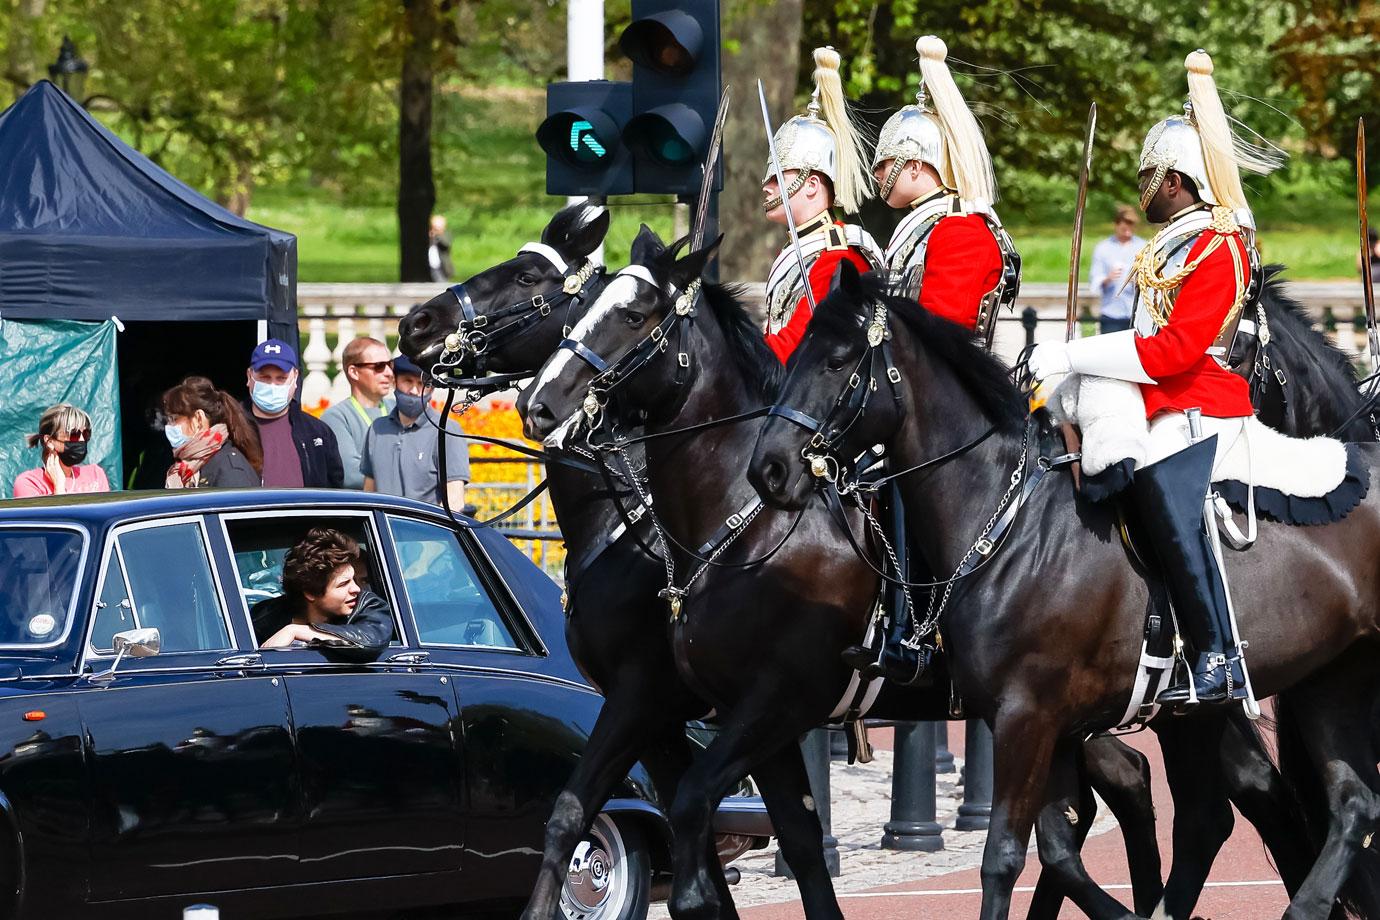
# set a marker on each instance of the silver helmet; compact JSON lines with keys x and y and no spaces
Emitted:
{"x":913,"y":133}
{"x":806,"y":143}
{"x":1175,"y":144}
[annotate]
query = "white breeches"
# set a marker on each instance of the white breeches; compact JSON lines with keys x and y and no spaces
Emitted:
{"x":1169,"y":434}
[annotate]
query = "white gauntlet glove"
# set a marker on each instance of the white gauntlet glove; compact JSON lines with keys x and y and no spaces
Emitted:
{"x":1049,"y":359}
{"x":1113,"y":355}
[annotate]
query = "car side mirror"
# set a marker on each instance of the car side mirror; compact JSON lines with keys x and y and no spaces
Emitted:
{"x":137,"y":643}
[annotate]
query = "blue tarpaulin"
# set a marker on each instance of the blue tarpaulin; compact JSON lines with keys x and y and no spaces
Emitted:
{"x":90,"y":228}
{"x":51,"y":362}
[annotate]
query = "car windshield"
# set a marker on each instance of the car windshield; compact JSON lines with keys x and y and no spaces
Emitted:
{"x":38,"y":573}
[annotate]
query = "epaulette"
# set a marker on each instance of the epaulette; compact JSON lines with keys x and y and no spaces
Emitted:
{"x":837,"y":238}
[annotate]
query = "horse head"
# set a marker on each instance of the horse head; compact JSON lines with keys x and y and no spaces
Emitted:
{"x":511,"y":316}
{"x":642,"y":313}
{"x":874,"y":368}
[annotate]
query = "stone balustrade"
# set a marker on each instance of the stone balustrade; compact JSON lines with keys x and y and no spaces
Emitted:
{"x":333,"y":314}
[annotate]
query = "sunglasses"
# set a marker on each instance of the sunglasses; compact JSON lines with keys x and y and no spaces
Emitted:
{"x":75,"y":434}
{"x":375,"y":366}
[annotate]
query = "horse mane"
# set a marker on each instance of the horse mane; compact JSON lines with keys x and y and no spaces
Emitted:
{"x":757,"y":363}
{"x":979,"y":372}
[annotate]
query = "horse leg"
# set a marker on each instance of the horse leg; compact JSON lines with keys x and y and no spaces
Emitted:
{"x":1121,"y":776}
{"x":1259,"y":792}
{"x":755,"y":733}
{"x":785,"y":786}
{"x":618,"y":738}
{"x":1203,"y":818}
{"x":1335,"y":730}
{"x":1023,"y":744}
{"x":1059,"y":841}
{"x":1066,"y":818}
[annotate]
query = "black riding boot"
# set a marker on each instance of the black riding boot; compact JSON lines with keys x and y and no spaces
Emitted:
{"x":897,"y":661}
{"x":1168,"y":497}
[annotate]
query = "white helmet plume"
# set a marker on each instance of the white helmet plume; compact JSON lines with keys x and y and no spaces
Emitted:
{"x":969,"y":162}
{"x":1224,"y":153}
{"x":852,"y":185}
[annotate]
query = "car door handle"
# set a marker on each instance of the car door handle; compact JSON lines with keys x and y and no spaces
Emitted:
{"x":409,"y":658}
{"x":251,"y":660}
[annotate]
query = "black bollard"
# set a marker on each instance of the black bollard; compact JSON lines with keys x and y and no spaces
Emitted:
{"x":815,"y":747}
{"x":913,"y":826}
{"x":1028,"y":320}
{"x":943,"y":757}
{"x":976,"y":811}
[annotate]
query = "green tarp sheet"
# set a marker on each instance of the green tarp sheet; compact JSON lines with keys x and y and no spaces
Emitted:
{"x":45,"y":362}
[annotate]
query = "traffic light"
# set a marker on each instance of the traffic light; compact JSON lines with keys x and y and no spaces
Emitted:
{"x":583,"y":138}
{"x":674,"y":47}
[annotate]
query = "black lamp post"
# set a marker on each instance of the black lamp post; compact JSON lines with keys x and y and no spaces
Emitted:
{"x":69,"y":70}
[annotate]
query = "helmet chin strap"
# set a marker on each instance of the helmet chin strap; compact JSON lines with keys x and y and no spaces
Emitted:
{"x":897,"y":166}
{"x":798,"y":183}
{"x":1155,"y":182}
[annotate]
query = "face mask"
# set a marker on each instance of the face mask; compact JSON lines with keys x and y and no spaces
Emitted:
{"x":175,"y":436}
{"x":74,"y":453}
{"x":410,"y":405}
{"x":271,"y":397}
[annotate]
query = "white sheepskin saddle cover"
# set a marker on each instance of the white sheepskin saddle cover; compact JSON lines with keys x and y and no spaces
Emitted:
{"x":1111,"y":414}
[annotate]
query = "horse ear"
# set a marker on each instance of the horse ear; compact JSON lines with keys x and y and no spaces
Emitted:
{"x":577,"y":231}
{"x":849,"y":280}
{"x":646,"y":246}
{"x":692,"y":266}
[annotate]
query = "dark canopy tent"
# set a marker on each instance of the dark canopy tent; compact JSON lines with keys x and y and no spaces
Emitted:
{"x":90,"y":228}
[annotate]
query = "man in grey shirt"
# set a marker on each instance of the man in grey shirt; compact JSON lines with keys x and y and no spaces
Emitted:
{"x":368,"y":367}
{"x":1111,"y":263}
{"x":400,"y":453}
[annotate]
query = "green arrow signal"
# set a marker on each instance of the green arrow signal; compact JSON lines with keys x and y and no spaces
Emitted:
{"x":584,"y":142}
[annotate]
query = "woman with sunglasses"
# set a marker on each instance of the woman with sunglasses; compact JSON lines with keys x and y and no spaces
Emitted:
{"x":64,"y":433}
{"x":214,"y":443}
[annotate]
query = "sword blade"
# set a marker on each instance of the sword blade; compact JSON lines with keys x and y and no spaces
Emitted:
{"x":711,"y":163}
{"x":1367,"y":288}
{"x":785,"y":203}
{"x":1076,"y":250}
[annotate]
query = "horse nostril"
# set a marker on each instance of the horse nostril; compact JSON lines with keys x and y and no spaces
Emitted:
{"x":418,"y":323}
{"x":775,"y":475}
{"x":540,"y":413}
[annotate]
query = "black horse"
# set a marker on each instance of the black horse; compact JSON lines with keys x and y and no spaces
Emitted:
{"x":721,"y":369}
{"x":615,"y":630}
{"x":1041,"y":667}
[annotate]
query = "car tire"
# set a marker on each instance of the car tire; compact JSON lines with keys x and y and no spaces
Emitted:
{"x":610,"y":875}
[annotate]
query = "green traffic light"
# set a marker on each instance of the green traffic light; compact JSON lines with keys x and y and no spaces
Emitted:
{"x":585,"y":145}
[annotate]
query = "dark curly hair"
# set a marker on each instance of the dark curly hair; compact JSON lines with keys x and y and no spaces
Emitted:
{"x":310,"y":563}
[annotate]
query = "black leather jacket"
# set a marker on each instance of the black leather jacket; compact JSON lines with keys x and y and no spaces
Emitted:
{"x":363,"y":635}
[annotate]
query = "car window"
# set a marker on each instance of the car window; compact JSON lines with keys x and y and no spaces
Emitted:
{"x":38,"y":576}
{"x":260,"y":545}
{"x":161,"y":577}
{"x":449,"y":603}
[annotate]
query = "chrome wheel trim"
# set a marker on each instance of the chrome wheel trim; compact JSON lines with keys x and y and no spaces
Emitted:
{"x":597,"y":883}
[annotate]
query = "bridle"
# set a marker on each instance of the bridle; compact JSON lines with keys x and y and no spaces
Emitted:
{"x":609,"y":375}
{"x":477,"y":335}
{"x":821,"y":452}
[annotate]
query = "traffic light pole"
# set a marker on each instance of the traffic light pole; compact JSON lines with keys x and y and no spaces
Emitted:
{"x":584,"y":60}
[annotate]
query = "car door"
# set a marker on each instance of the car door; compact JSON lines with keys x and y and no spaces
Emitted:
{"x":377,"y":752}
{"x":192,"y":772}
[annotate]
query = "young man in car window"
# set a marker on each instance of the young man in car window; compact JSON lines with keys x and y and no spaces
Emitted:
{"x":323,"y":603}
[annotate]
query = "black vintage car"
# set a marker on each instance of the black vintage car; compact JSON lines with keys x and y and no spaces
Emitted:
{"x":152,"y":756}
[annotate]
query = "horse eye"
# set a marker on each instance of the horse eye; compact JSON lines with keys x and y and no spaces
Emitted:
{"x":526,"y":279}
{"x":836,"y":362}
{"x":633,"y":318}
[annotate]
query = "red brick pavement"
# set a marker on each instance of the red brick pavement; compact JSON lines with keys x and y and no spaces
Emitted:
{"x":1243,"y":884}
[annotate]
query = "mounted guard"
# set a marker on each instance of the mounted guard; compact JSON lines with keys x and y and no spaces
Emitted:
{"x":820,"y":156}
{"x":950,"y":252}
{"x":1194,"y":280}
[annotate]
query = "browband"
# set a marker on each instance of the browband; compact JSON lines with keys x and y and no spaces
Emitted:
{"x":550,"y":254}
{"x":642,"y":273}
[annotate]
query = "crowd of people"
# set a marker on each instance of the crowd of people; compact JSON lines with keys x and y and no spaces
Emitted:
{"x":381,"y":439}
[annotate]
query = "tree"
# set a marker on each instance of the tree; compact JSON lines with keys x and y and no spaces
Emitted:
{"x":416,"y":186}
{"x":21,"y":68}
{"x":759,"y":37}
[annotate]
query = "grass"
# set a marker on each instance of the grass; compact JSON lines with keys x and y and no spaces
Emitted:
{"x":490,"y":179}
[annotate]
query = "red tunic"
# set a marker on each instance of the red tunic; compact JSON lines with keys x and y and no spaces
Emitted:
{"x":783,"y":343}
{"x":962,"y":264}
{"x":1176,"y":356}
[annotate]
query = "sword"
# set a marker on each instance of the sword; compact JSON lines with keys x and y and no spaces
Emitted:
{"x":785,"y":202}
{"x":1076,"y":251}
{"x":1367,"y":288}
{"x":711,"y":162}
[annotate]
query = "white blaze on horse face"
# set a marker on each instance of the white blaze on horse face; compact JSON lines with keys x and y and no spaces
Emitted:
{"x":621,"y":290}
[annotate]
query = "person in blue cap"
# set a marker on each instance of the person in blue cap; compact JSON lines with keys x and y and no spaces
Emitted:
{"x":299,"y":450}
{"x":400,"y":450}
